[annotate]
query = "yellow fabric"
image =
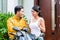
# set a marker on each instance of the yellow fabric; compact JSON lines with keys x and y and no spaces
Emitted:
{"x":15,"y":22}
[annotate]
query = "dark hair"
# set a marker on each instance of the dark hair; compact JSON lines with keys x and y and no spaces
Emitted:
{"x":37,"y":9}
{"x":17,"y":8}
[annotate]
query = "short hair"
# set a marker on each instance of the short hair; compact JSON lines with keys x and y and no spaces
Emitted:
{"x":17,"y":8}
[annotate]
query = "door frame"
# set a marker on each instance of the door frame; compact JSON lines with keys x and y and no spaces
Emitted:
{"x":57,"y":8}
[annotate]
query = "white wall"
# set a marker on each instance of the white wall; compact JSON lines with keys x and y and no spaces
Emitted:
{"x":0,"y":5}
{"x":11,"y":4}
{"x":28,"y":4}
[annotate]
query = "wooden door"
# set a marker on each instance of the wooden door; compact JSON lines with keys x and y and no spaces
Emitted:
{"x":45,"y":6}
{"x":57,"y":20}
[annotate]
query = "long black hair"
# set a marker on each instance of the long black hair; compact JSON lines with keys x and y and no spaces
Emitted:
{"x":37,"y":9}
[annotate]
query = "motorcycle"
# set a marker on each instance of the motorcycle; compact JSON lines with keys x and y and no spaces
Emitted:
{"x":23,"y":34}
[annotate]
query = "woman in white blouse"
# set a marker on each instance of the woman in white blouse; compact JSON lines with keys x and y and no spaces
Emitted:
{"x":37,"y":23}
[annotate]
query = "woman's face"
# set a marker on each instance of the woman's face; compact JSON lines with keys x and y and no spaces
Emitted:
{"x":34,"y":13}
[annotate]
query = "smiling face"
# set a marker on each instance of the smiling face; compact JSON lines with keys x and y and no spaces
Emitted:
{"x":20,"y":13}
{"x":34,"y":13}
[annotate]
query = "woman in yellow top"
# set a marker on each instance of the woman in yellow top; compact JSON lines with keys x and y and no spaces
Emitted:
{"x":16,"y":21}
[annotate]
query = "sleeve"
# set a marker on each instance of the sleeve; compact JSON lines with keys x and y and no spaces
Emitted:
{"x":9,"y":26}
{"x":26,"y":25}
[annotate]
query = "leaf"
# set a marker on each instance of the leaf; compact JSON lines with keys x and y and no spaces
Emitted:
{"x":3,"y":26}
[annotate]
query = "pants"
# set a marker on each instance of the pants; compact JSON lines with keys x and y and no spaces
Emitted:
{"x":40,"y":38}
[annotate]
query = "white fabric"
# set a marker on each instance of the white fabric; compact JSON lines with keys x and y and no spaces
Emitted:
{"x":35,"y":29}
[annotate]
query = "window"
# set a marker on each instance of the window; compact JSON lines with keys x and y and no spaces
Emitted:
{"x":20,"y":2}
{"x":0,"y":5}
{"x":3,"y":5}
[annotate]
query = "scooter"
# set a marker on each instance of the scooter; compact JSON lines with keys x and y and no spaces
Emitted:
{"x":18,"y":33}
{"x":23,"y":34}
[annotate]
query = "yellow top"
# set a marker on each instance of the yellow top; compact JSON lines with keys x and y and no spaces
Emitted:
{"x":15,"y":22}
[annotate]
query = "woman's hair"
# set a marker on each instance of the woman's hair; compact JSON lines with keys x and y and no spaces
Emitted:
{"x":37,"y":9}
{"x":17,"y":8}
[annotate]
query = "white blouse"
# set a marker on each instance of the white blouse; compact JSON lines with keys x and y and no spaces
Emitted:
{"x":35,"y":29}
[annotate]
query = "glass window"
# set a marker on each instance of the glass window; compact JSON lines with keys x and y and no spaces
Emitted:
{"x":3,"y":5}
{"x":0,"y":5}
{"x":20,"y":2}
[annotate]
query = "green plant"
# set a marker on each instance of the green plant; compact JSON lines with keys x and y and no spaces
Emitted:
{"x":3,"y":26}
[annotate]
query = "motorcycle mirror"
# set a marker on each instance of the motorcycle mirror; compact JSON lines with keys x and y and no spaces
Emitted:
{"x":16,"y":29}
